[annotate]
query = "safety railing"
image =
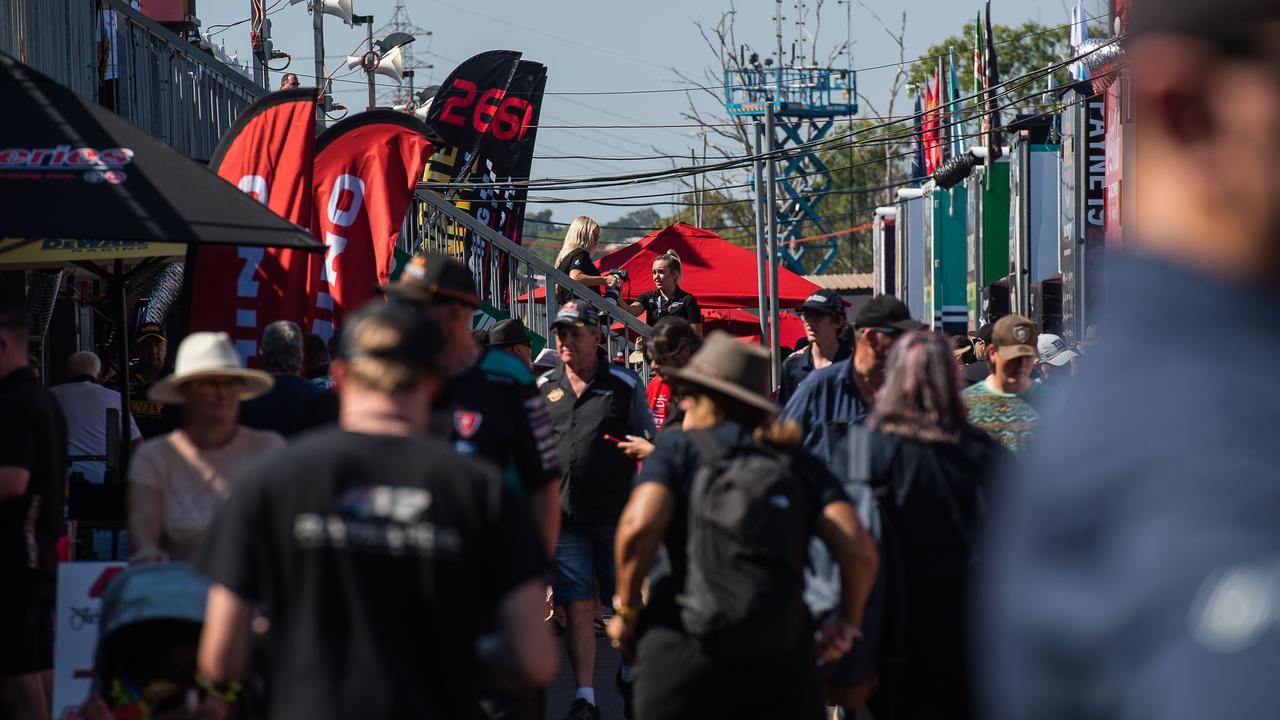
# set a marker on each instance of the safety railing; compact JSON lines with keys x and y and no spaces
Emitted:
{"x":168,"y":87}
{"x":510,"y":277}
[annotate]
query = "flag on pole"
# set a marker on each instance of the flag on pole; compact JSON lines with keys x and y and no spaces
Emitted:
{"x":992,"y":117}
{"x":930,"y":126}
{"x":979,"y":75}
{"x":957,"y":128}
{"x":946,"y":128}
{"x":1079,"y":33}
{"x":917,"y":144}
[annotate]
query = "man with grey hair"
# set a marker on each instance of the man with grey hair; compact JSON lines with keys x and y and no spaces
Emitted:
{"x":84,"y":404}
{"x":282,"y":408}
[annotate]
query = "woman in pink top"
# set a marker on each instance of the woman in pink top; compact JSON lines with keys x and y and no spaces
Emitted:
{"x":178,"y":481}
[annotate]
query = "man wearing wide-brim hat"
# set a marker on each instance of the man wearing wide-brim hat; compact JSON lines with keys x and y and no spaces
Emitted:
{"x":178,"y":481}
{"x":512,"y":337}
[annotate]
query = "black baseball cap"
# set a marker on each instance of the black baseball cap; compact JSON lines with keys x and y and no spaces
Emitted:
{"x":149,"y":330}
{"x":824,"y":301}
{"x":887,"y":311}
{"x":984,"y":333}
{"x":577,"y":313}
{"x":432,"y":277}
{"x":394,"y":333}
{"x":509,"y":332}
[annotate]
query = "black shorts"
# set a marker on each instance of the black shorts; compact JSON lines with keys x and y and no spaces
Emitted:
{"x":675,"y":679}
{"x":26,"y":622}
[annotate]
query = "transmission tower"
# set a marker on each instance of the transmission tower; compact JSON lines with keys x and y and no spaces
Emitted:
{"x":802,"y":100}
{"x":400,"y":22}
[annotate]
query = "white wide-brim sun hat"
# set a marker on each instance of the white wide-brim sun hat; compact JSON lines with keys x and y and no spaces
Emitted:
{"x":208,"y":355}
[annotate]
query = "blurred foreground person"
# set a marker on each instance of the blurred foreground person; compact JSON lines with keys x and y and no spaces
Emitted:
{"x":178,"y":481}
{"x":731,"y":502}
{"x":1135,"y":571}
{"x":377,"y":554}
{"x":930,"y":469}
{"x":33,"y":461}
{"x":490,"y":407}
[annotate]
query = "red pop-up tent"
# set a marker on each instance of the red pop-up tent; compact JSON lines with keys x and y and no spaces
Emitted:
{"x":717,"y":272}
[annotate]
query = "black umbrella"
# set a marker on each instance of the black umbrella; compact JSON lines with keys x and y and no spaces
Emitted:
{"x":79,"y":184}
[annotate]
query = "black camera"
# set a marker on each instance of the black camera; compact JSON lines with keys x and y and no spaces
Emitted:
{"x":613,"y":294}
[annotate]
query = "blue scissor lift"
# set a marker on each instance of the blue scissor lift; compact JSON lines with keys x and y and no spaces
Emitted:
{"x":805,"y":102}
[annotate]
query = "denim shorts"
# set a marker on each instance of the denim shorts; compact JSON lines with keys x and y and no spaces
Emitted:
{"x":584,"y":563}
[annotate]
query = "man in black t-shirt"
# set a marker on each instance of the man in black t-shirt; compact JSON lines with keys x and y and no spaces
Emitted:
{"x":491,"y":408}
{"x":378,"y":555}
{"x":33,"y":459}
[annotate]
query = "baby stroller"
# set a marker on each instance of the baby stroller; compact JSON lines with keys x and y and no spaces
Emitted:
{"x":149,"y":632}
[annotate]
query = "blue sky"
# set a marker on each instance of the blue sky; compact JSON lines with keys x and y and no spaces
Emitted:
{"x":603,"y":46}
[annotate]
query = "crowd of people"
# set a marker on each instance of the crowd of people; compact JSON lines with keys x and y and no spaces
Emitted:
{"x":910,"y":525}
{"x":408,"y":501}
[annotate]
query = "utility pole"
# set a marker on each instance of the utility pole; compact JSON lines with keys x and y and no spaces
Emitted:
{"x":317,"y":27}
{"x":757,"y":174}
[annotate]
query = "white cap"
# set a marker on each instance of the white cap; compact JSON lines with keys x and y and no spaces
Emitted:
{"x":546,"y":359}
{"x":1053,"y":349}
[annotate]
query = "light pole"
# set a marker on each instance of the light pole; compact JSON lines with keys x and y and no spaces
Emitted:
{"x":367,"y":21}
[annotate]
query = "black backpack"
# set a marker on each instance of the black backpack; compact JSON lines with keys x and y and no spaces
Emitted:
{"x":750,"y":519}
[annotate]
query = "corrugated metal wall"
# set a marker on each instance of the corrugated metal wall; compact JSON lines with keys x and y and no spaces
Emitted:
{"x":163,"y":84}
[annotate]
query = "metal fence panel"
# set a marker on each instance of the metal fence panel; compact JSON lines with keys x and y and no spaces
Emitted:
{"x":437,"y":225}
{"x":159,"y":81}
{"x":55,"y":37}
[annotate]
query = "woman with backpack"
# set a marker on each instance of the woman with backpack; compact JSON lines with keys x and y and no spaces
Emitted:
{"x":728,"y":504}
{"x":929,"y":469}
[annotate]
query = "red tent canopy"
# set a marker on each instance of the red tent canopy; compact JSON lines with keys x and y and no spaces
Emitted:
{"x":717,"y":272}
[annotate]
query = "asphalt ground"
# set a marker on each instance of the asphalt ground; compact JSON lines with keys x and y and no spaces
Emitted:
{"x":561,"y":691}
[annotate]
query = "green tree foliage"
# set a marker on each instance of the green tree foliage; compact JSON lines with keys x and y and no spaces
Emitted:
{"x":633,"y":224}
{"x":1020,"y":49}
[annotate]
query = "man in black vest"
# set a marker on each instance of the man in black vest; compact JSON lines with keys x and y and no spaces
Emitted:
{"x":594,"y":404}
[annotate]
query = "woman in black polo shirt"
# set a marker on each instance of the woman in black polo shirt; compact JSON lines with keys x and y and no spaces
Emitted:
{"x":668,"y":300}
{"x":574,"y":259}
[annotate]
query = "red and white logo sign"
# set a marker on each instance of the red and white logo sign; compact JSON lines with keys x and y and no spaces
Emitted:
{"x":466,"y":423}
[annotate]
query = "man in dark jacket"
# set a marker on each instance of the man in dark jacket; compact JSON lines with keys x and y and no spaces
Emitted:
{"x":1135,"y":558}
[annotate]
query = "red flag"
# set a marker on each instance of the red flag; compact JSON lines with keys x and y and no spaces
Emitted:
{"x":268,"y":154}
{"x":366,"y":169}
{"x":931,"y":139}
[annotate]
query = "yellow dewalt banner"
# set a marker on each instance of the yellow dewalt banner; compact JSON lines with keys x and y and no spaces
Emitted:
{"x":15,"y":251}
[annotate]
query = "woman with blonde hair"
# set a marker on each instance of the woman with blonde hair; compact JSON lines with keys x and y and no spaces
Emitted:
{"x":931,"y":470}
{"x":668,"y":299}
{"x":574,"y":259}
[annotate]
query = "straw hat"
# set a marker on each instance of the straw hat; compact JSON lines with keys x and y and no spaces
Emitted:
{"x":739,"y":371}
{"x":208,"y":355}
